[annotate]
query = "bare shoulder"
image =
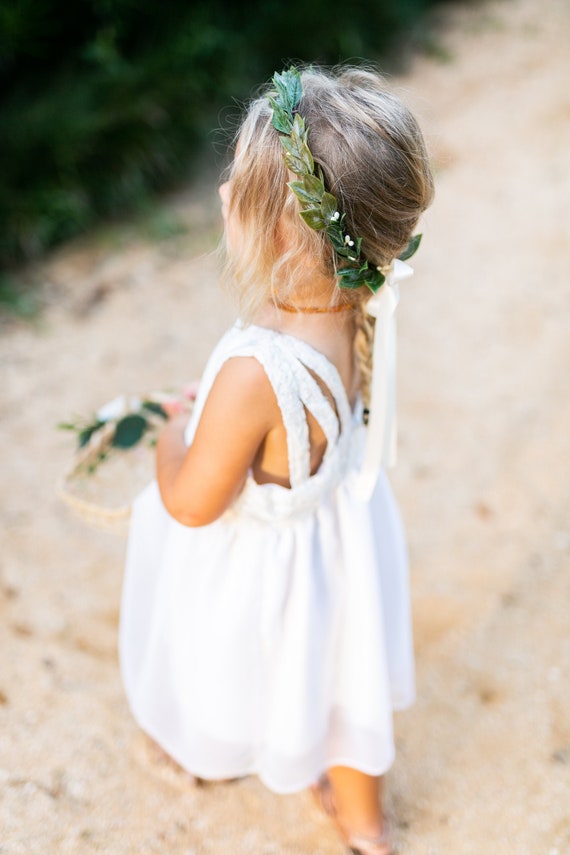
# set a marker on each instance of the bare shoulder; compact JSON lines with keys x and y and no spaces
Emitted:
{"x":241,"y":388}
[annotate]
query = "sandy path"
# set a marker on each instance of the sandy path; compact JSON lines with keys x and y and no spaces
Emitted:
{"x":483,"y":483}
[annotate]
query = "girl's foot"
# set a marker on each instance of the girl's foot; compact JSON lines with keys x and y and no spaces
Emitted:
{"x":358,"y":844}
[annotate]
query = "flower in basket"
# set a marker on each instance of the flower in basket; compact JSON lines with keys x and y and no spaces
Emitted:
{"x":125,"y":422}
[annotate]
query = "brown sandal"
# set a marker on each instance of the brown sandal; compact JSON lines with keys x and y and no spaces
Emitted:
{"x":358,"y":844}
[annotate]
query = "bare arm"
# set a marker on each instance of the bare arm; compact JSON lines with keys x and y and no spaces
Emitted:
{"x":197,"y":484}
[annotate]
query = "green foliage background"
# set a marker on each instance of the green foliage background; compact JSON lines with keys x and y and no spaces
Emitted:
{"x":106,"y":102}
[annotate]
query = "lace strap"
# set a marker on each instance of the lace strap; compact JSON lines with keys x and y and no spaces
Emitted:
{"x":288,"y":362}
{"x":327,"y":372}
{"x":315,"y":401}
{"x":286,"y":387}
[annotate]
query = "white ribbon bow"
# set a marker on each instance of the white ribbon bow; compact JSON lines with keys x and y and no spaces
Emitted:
{"x":380,"y":447}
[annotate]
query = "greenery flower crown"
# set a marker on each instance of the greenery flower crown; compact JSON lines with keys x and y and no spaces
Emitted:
{"x":319,"y":207}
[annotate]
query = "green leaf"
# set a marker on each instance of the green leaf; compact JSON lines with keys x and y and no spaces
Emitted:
{"x":87,"y":432}
{"x":288,"y":86}
{"x":293,"y":150}
{"x":280,"y":83}
{"x":299,"y":132}
{"x":307,"y":158}
{"x":338,"y":242}
{"x":294,"y":164}
{"x":314,"y":185}
{"x":351,"y":277}
{"x":293,"y":160}
{"x":314,"y":218}
{"x":294,"y":87}
{"x":154,"y":407}
{"x":411,"y":248}
{"x":298,"y":156}
{"x":281,"y":119}
{"x":328,"y":205}
{"x":334,"y":232}
{"x":356,"y":277}
{"x":129,"y":431}
{"x":374,"y":279}
{"x":307,"y":197}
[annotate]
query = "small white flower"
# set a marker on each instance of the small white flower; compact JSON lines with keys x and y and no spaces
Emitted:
{"x":113,"y":409}
{"x":335,"y":216}
{"x":347,"y":240}
{"x":351,"y":243}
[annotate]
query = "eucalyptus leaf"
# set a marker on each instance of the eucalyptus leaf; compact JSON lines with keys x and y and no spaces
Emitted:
{"x":129,"y":431}
{"x":411,"y":248}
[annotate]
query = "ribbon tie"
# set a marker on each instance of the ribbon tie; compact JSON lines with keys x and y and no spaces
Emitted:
{"x":380,"y":446}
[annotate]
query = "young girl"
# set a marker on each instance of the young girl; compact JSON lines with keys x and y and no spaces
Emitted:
{"x":265,"y":621}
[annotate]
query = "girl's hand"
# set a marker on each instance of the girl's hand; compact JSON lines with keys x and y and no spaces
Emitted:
{"x":174,"y":407}
{"x":177,"y":404}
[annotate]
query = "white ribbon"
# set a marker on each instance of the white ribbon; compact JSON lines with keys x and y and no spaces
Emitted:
{"x":380,"y":446}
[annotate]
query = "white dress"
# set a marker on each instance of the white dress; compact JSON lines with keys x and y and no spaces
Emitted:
{"x":277,"y":640}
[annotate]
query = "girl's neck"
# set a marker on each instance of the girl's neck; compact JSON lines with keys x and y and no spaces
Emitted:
{"x":315,"y":294}
{"x":310,"y":311}
{"x":313,"y":327}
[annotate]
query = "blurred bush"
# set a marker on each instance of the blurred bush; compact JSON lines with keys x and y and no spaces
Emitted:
{"x":107,"y":102}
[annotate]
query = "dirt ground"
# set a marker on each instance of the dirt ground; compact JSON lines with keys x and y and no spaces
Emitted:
{"x":483,"y":762}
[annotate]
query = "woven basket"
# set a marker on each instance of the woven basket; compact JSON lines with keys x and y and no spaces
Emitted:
{"x":101,"y":491}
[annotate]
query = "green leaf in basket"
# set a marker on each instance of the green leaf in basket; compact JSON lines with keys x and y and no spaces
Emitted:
{"x":87,"y":432}
{"x":155,"y":407}
{"x":129,"y":431}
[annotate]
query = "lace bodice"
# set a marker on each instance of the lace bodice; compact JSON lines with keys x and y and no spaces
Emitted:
{"x":290,"y":364}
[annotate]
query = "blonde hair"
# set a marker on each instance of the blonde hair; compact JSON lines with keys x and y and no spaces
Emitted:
{"x":374,"y":160}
